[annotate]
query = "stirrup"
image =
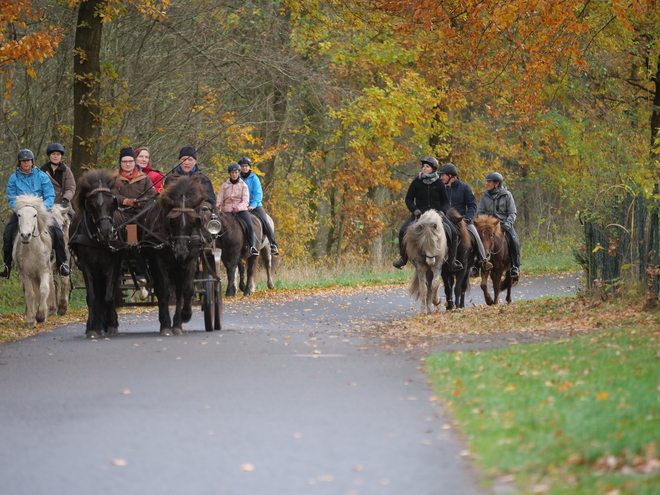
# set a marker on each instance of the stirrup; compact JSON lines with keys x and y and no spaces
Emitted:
{"x":65,"y":271}
{"x":515,"y":271}
{"x":5,"y":272}
{"x":254,"y":251}
{"x":399,"y":263}
{"x":274,"y":250}
{"x":487,"y":265}
{"x":456,"y":265}
{"x":474,"y":271}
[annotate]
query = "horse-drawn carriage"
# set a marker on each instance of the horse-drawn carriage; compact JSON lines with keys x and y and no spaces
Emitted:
{"x":169,"y":243}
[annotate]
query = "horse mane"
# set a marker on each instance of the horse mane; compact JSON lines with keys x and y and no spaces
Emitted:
{"x":173,"y":194}
{"x":488,"y":225}
{"x":89,"y":181}
{"x":44,"y":217}
{"x":457,"y":219}
{"x":427,"y":236}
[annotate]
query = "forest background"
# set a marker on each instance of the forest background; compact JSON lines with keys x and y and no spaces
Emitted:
{"x":336,"y":101}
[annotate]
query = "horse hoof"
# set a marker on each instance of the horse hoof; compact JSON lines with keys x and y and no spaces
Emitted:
{"x":177,"y":331}
{"x":186,"y":315}
{"x":113,"y":330}
{"x":271,"y":285}
{"x":166,"y":331}
{"x":92,"y":334}
{"x":41,"y":317}
{"x":61,"y":311}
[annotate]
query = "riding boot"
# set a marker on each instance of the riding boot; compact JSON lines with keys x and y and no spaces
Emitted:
{"x":455,"y":264}
{"x":60,"y":252}
{"x":400,"y":262}
{"x":6,"y":268}
{"x":8,"y":246}
{"x":253,"y":248}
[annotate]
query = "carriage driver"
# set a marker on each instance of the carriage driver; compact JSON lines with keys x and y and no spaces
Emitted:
{"x":497,"y":201}
{"x":256,"y":207}
{"x":188,"y":167}
{"x":462,"y":199}
{"x":30,"y":180}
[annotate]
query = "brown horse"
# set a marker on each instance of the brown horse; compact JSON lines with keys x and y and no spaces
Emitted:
{"x":457,"y":283}
{"x":496,"y":244}
{"x":235,"y":248}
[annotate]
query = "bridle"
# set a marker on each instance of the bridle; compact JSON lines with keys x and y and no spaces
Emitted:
{"x":100,"y":192}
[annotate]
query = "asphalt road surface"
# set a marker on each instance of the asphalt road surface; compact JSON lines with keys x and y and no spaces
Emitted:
{"x":291,"y":397}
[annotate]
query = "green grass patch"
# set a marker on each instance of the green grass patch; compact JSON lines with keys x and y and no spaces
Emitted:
{"x":572,"y":416}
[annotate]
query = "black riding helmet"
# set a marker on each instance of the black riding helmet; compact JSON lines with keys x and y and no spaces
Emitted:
{"x":449,"y":169}
{"x":233,"y":166}
{"x":245,"y":159}
{"x":54,"y":147}
{"x":431,"y":161}
{"x":24,"y":155}
{"x":495,"y":177}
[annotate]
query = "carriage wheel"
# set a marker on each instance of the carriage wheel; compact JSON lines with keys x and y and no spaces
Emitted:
{"x":218,"y":309}
{"x":208,"y":304}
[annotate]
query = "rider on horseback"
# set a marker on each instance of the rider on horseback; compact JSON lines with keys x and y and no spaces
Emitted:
{"x":256,"y":207}
{"x":30,"y":180}
{"x":462,"y":199}
{"x":427,"y":192}
{"x":497,"y":201}
{"x":234,"y":197}
{"x":60,"y":175}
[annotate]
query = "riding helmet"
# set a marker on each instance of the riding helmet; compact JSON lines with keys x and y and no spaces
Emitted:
{"x":54,"y":147}
{"x":245,"y":159}
{"x":431,"y":161}
{"x":233,"y":166}
{"x":495,"y":177}
{"x":449,"y":169}
{"x":25,"y":155}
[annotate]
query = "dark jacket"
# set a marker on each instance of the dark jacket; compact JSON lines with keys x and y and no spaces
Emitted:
{"x":462,"y":199}
{"x":424,"y":197}
{"x":499,"y":203}
{"x":196,"y":174}
{"x":140,"y":186}
{"x":63,"y":181}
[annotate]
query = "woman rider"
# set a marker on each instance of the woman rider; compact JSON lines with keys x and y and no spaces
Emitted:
{"x":426,"y":192}
{"x":234,"y":197}
{"x":497,"y":201}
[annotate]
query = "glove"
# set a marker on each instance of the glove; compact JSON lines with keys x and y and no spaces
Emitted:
{"x":64,"y":203}
{"x":417,"y":213}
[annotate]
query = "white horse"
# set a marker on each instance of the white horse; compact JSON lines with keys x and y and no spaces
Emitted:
{"x":60,"y":300}
{"x":426,"y":246}
{"x":32,"y":254}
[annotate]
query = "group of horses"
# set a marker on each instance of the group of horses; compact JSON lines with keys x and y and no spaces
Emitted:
{"x":172,"y":232}
{"x":427,"y":248}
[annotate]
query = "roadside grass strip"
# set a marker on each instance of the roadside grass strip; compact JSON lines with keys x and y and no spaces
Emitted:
{"x":571,"y":416}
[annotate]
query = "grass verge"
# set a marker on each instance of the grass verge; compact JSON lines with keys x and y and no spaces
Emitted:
{"x":570,"y":416}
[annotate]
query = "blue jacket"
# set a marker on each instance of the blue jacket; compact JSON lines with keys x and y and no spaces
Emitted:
{"x":462,"y":198}
{"x":35,"y":182}
{"x":254,"y":186}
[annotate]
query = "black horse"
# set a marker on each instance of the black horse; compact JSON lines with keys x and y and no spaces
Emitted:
{"x":235,"y":248}
{"x":95,"y":244}
{"x":458,"y":283}
{"x":172,"y":233}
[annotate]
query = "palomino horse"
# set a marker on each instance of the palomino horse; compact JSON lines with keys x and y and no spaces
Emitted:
{"x":426,"y":246}
{"x":496,"y":244}
{"x":32,"y":253}
{"x":172,"y":235}
{"x":458,"y":283}
{"x":235,"y":248}
{"x":94,"y":242}
{"x":61,"y":285}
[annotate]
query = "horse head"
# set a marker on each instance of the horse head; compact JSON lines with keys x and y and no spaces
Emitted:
{"x":490,"y":231}
{"x":95,"y":202}
{"x":182,"y":204}
{"x":33,"y":218}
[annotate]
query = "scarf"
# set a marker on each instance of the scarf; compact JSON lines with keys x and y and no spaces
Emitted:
{"x":428,"y":179}
{"x":181,"y":172}
{"x":235,"y":181}
{"x":131,"y":176}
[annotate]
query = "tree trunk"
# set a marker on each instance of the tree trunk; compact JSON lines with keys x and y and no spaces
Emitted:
{"x":86,"y":87}
{"x":655,"y":115}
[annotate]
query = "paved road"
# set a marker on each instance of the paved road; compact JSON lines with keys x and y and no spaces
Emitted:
{"x":290,"y":398}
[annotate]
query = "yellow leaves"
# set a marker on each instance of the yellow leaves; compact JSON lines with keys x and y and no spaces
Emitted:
{"x":602,"y":396}
{"x":510,"y":388}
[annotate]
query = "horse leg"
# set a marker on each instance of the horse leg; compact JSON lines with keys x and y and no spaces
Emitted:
{"x":94,"y":327}
{"x":188,"y":288}
{"x":424,"y":288}
{"x":241,"y":276}
{"x":250,"y":284}
{"x":484,"y":285}
{"x":110,"y":306}
{"x":497,"y":275}
{"x":44,"y":294}
{"x":231,"y":278}
{"x":434,"y":296}
{"x":509,"y":286}
{"x":53,"y":295}
{"x":63,"y":296}
{"x":28,"y":293}
{"x":268,"y":265}
{"x":446,"y":280}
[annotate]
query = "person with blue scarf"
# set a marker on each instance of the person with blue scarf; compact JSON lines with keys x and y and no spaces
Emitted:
{"x":426,"y":192}
{"x":188,"y":167}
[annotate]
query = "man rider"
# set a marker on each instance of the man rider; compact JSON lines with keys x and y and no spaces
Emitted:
{"x":462,"y":199}
{"x":30,"y":180}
